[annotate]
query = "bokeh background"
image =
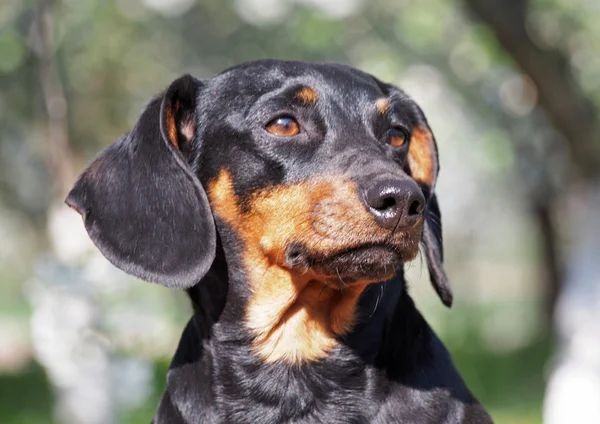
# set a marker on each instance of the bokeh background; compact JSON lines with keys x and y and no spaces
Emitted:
{"x":511,"y":89}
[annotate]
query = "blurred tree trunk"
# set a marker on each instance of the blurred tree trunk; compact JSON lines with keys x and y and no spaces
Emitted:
{"x":574,"y":115}
{"x":574,"y":385}
{"x":554,"y":274}
{"x":59,"y":156}
{"x":64,"y":317}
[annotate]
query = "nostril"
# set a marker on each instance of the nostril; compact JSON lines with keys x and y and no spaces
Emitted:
{"x":385,"y":204}
{"x":415,"y":208}
{"x":395,"y":204}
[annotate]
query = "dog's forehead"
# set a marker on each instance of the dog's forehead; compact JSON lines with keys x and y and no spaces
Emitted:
{"x":252,"y":80}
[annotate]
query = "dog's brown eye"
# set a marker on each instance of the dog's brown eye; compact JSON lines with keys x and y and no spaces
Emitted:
{"x":396,"y":137}
{"x":284,"y":126}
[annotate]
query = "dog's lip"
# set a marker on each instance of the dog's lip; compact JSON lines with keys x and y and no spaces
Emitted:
{"x":297,"y":253}
{"x":387,"y":247}
{"x":364,"y":262}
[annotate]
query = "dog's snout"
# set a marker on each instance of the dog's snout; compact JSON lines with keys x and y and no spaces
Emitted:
{"x":395,"y":203}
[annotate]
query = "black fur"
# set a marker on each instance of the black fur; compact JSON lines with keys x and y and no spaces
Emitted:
{"x":144,"y":204}
{"x":143,"y":207}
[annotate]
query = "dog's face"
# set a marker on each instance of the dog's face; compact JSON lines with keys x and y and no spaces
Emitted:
{"x":313,"y":164}
{"x":323,"y":175}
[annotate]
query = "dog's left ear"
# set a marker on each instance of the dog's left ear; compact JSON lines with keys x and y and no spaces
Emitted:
{"x":424,"y":167}
{"x":142,"y":204}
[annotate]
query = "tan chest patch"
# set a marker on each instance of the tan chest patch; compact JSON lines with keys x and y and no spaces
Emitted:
{"x":294,"y":317}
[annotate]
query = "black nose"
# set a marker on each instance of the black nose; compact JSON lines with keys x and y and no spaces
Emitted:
{"x":396,"y":204}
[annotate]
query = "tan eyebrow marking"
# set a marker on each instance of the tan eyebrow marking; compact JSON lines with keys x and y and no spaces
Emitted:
{"x":422,"y":157}
{"x":382,"y":105}
{"x":307,"y":96}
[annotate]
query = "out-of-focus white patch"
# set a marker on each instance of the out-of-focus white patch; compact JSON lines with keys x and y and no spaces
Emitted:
{"x":104,"y":277}
{"x":261,"y":12}
{"x":573,"y":391}
{"x":69,"y":239}
{"x":518,"y":95}
{"x":334,"y":9}
{"x":74,"y":355}
{"x":124,"y":322}
{"x":572,"y":395}
{"x":170,"y":8}
{"x":132,"y":382}
{"x":68,"y":315}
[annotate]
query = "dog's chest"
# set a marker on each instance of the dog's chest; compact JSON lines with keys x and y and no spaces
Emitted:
{"x":291,"y":400}
{"x":336,"y":391}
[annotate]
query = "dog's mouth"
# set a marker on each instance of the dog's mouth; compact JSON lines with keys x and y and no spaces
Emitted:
{"x":364,"y":262}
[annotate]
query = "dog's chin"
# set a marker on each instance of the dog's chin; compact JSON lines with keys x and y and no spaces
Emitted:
{"x":372,"y":263}
{"x":376,"y":262}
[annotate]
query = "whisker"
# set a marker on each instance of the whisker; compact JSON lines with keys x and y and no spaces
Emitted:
{"x":340,"y":278}
{"x":379,"y":296}
{"x":322,"y":290}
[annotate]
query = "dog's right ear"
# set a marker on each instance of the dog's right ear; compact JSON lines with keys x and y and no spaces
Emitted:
{"x":140,"y":201}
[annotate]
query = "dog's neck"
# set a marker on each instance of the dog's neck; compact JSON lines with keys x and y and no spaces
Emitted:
{"x":292,"y":319}
{"x":292,"y":314}
{"x":225,"y":349}
{"x":296,"y":319}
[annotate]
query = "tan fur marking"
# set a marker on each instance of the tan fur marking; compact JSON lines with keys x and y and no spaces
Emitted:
{"x":294,"y":316}
{"x":307,"y":96}
{"x":382,"y":105}
{"x":422,"y":157}
{"x":171,"y":125}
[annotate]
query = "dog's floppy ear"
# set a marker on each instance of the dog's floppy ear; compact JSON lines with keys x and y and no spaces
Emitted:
{"x":434,"y":251}
{"x":140,"y":201}
{"x":424,"y":167}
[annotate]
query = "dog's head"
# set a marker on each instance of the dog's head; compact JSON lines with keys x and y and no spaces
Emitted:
{"x":319,"y":169}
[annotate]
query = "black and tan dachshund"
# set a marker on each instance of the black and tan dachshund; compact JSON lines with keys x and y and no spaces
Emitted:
{"x":285,"y":197}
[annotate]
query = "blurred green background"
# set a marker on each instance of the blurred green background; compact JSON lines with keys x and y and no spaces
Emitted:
{"x":510,"y":89}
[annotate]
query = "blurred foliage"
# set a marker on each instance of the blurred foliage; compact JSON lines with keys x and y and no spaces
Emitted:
{"x":25,"y":398}
{"x":509,"y":384}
